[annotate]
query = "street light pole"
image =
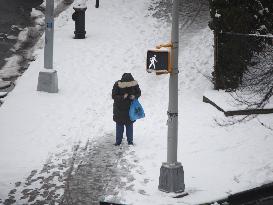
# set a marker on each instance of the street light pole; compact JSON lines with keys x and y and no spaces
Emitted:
{"x":48,"y":79}
{"x":49,"y":34}
{"x":171,"y":172}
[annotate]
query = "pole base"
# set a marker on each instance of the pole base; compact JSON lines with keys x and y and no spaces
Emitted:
{"x":79,"y":34}
{"x":171,"y":178}
{"x":48,"y":81}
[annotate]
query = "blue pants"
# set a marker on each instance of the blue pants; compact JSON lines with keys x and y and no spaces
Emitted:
{"x":120,"y":130}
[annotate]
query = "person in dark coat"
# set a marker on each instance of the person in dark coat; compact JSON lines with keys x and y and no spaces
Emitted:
{"x":123,"y":93}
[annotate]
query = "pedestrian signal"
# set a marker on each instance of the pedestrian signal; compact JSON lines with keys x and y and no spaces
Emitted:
{"x":158,"y":61}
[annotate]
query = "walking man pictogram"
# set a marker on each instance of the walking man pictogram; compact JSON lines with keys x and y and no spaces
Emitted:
{"x":152,"y":62}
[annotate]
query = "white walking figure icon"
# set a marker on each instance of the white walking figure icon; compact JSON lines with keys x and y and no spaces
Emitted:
{"x":152,"y":61}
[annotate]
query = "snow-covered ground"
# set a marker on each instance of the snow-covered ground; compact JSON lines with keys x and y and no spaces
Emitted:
{"x":217,"y":160}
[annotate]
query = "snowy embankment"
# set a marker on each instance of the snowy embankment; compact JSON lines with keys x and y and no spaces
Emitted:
{"x":24,"y":49}
{"x":217,"y":160}
{"x":12,"y":68}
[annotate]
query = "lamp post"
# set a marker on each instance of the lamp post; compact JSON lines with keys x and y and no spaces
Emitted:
{"x":49,"y":34}
{"x":171,"y":172}
{"x":48,"y":80}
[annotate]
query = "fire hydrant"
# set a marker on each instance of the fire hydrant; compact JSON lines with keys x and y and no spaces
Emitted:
{"x":79,"y":17}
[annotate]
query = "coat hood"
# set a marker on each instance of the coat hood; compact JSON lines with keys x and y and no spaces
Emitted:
{"x":127,"y":77}
{"x":127,"y":81}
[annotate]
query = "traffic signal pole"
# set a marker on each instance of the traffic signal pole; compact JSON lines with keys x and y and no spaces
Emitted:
{"x":171,"y":172}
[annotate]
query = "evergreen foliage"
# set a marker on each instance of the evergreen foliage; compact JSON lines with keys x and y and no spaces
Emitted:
{"x":242,"y":16}
{"x":234,"y":53}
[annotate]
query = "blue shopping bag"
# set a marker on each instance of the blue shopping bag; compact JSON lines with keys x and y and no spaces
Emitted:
{"x":136,"y":111}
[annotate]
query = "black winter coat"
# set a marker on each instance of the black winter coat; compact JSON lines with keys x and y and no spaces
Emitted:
{"x":121,"y":106}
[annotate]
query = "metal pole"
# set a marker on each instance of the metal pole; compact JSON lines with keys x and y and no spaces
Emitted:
{"x":97,"y":4}
{"x":171,"y":172}
{"x":173,"y":90}
{"x":48,"y":79}
{"x":218,"y":84}
{"x":49,"y":34}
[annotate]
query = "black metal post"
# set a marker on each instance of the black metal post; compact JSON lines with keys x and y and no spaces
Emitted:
{"x":97,"y":3}
{"x":218,"y":84}
{"x":79,"y":18}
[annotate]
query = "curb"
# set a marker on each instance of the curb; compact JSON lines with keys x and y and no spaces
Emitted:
{"x":262,"y":195}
